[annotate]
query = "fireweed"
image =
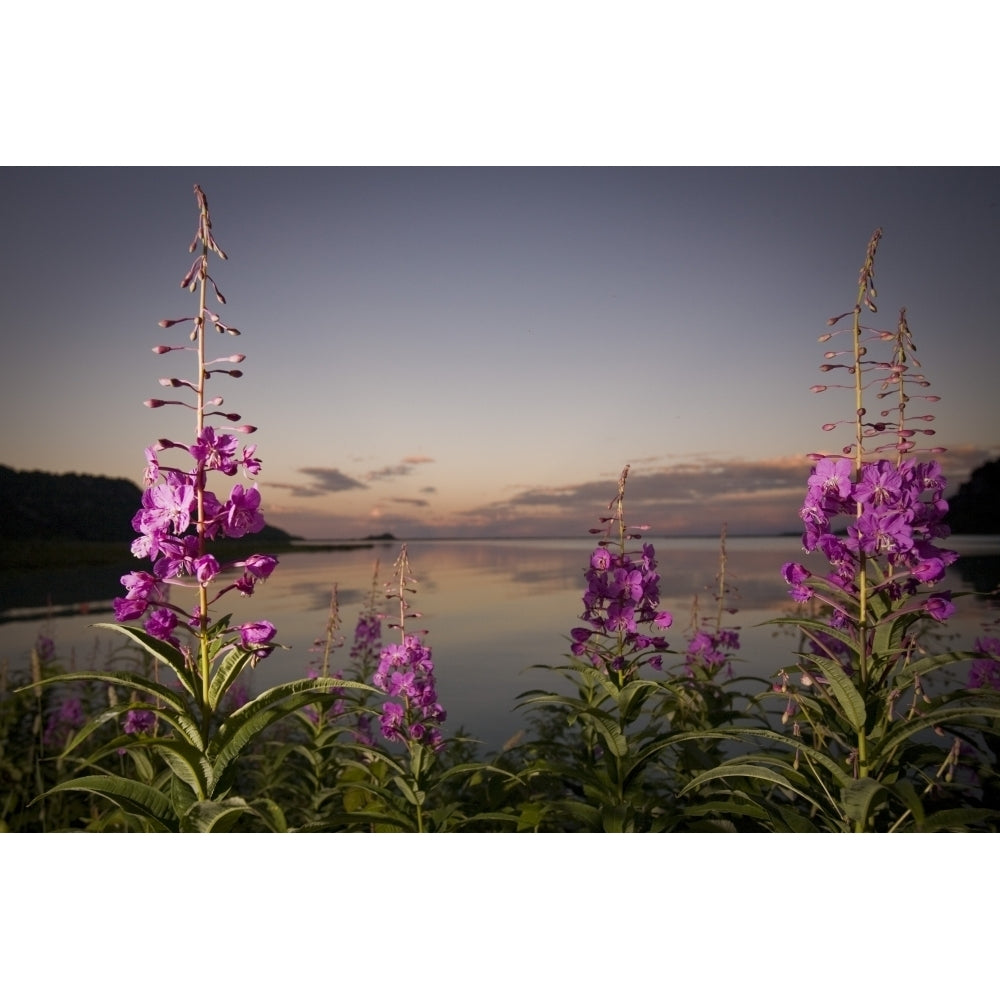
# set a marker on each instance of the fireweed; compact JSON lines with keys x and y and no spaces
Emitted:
{"x":179,"y":522}
{"x":622,"y":596}
{"x":711,"y":647}
{"x":407,"y":780}
{"x":609,"y":779}
{"x":411,"y":713}
{"x":863,"y":752}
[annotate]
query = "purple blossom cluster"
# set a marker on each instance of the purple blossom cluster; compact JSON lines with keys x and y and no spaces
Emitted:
{"x":896,"y":512}
{"x":179,"y":515}
{"x":167,"y":523}
{"x":67,"y":717}
{"x":367,"y":642}
{"x":710,"y":650}
{"x":406,"y":671}
{"x":622,"y":595}
{"x":985,"y":673}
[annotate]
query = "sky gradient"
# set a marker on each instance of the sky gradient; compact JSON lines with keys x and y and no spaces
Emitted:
{"x":477,"y":352}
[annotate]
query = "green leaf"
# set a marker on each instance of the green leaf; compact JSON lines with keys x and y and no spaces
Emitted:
{"x":182,"y":797}
{"x":847,"y":695}
{"x":809,"y":623}
{"x":609,"y":731}
{"x":965,"y":713}
{"x":907,"y":794}
{"x":859,"y":797}
{"x":414,"y":796}
{"x":187,"y":763}
{"x":228,"y":671}
{"x":135,"y":682}
{"x":132,"y":797}
{"x":754,"y":772}
{"x":270,"y":706}
{"x":960,"y":819}
{"x":206,"y":816}
{"x":159,"y":649}
{"x":928,"y":663}
{"x":633,"y":696}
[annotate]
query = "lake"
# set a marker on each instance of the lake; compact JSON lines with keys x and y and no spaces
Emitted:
{"x":493,"y":608}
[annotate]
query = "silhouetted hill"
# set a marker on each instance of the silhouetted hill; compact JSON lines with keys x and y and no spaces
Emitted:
{"x":47,"y":507}
{"x":975,"y":508}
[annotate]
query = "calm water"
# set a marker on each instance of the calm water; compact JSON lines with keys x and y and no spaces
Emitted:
{"x":495,"y":607}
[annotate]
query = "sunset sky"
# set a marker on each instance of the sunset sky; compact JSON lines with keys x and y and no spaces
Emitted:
{"x":479,"y":351}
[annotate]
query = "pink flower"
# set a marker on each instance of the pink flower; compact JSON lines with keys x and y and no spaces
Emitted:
{"x":241,"y":516}
{"x":256,"y":636}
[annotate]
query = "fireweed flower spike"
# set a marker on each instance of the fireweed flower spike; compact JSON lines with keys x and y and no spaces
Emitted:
{"x":180,"y":515}
{"x":711,"y":647}
{"x":875,"y":512}
{"x":622,"y":599}
{"x":406,"y":672}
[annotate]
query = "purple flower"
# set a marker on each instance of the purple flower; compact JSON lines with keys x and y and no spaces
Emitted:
{"x":392,"y":721}
{"x":161,"y":624}
{"x":214,"y":451}
{"x":878,"y":532}
{"x":367,"y":639}
{"x":881,"y":485}
{"x":139,"y":585}
{"x":621,"y":595}
{"x":139,"y":720}
{"x":67,"y":717}
{"x":259,"y":566}
{"x":986,"y":673}
{"x":206,"y":569}
{"x":127,"y":609}
{"x":406,"y":670}
{"x":256,"y":636}
{"x":169,"y":505}
{"x":240,"y":516}
{"x":251,"y":465}
{"x":795,"y":575}
{"x":601,"y":560}
{"x":939,"y":606}
{"x":831,"y":478}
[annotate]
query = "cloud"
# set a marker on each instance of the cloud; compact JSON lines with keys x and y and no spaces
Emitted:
{"x":693,"y":497}
{"x":404,"y":468}
{"x":323,"y":481}
{"x":388,"y":472}
{"x":411,"y":501}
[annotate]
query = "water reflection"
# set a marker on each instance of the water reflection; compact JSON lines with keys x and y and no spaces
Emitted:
{"x":495,"y":607}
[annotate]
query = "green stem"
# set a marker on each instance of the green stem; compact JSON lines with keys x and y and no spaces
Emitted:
{"x":203,"y":657}
{"x":866,"y":294}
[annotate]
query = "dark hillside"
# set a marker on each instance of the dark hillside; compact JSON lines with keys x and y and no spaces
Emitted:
{"x":975,"y":508}
{"x":49,"y":507}
{"x":50,"y":521}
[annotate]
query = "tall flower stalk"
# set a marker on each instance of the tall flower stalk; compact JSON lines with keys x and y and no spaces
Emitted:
{"x":195,"y":732}
{"x":875,"y":511}
{"x":411,"y":713}
{"x":617,"y":712}
{"x":180,"y":515}
{"x":622,"y":599}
